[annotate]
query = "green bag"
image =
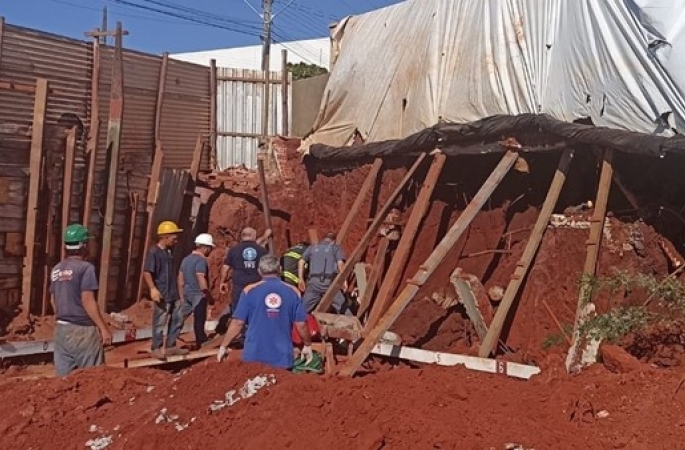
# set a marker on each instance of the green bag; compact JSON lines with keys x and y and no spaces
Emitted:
{"x":315,"y":365}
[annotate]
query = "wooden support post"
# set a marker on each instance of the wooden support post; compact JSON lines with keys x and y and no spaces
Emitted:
{"x":197,"y":158}
{"x":375,"y":275}
{"x":359,"y":250}
{"x":360,"y":277}
{"x":36,"y":160}
{"x":265,"y":199}
{"x":151,"y":203}
{"x":94,"y":132}
{"x":134,"y":199}
{"x":430,"y":265}
{"x":353,"y":213}
{"x":285,"y":131}
{"x":161,"y":89}
{"x":401,"y":256}
{"x":116,"y":109}
{"x":213,"y":114}
{"x":578,"y":354}
{"x":67,"y":180}
{"x":489,"y":344}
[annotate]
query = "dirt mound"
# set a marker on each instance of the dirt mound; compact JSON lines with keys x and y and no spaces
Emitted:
{"x":399,"y":408}
{"x":661,"y":344}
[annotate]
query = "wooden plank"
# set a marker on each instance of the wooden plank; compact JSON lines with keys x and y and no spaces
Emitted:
{"x":360,"y":275}
{"x":10,"y":283}
{"x":34,"y":190}
{"x":377,"y":269}
{"x":580,"y":353}
{"x":4,"y":190}
{"x":212,"y":114}
{"x":468,"y":299}
{"x":67,"y":180}
{"x":285,"y":126}
{"x":14,"y":244}
{"x":430,"y":265}
{"x":392,"y":278}
{"x":161,"y":88}
{"x":93,"y":135}
{"x":197,"y":158}
{"x":266,"y":209}
{"x":521,"y":271}
{"x":478,"y":364}
{"x":255,"y":80}
{"x":116,"y":108}
{"x":353,"y":213}
{"x":151,"y":203}
{"x":357,"y":253}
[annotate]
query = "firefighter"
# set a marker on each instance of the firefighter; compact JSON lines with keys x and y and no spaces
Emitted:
{"x":290,"y":262}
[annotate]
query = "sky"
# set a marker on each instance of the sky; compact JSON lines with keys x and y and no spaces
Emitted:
{"x":156,"y":26}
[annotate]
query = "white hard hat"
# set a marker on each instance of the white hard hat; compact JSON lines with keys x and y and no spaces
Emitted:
{"x":204,"y":239}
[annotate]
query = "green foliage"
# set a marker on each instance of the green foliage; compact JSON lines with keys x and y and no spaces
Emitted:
{"x":615,"y":324}
{"x":302,"y":70}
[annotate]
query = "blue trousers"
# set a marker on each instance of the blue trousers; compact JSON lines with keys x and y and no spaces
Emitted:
{"x":166,"y":317}
{"x":197,"y":306}
{"x":77,"y":347}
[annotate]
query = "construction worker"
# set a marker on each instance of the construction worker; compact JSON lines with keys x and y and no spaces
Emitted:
{"x":242,"y":260}
{"x":160,"y":279}
{"x":270,"y":308}
{"x":290,"y":261}
{"x":325,"y":260}
{"x":193,"y":286}
{"x":81,"y":331}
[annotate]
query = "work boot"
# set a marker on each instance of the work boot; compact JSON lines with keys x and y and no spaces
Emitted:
{"x":158,"y":353}
{"x":175,"y":351}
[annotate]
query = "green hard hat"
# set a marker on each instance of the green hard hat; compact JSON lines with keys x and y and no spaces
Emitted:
{"x":315,"y":365}
{"x":76,"y":234}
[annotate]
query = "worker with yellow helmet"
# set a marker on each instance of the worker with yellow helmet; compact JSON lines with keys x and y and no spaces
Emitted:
{"x":160,"y":279}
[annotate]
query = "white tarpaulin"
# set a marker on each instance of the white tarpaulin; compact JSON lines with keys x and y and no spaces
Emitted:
{"x":404,"y":68}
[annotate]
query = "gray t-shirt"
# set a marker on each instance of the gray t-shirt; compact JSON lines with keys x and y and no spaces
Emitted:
{"x":190,"y":267}
{"x":68,"y":280}
{"x":323,"y":258}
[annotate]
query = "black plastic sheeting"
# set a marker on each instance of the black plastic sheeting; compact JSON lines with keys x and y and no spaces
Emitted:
{"x":535,"y":132}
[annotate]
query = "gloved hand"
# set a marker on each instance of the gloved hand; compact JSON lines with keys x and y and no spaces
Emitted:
{"x":222,"y":353}
{"x":155,"y":295}
{"x":307,"y":353}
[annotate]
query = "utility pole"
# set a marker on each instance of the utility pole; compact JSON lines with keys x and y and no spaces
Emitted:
{"x":266,"y":66}
{"x":103,"y":37}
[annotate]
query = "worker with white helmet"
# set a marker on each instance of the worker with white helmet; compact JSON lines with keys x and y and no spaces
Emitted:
{"x":193,"y":286}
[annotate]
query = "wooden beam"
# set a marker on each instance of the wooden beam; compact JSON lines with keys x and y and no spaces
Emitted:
{"x":400,"y":258}
{"x":68,"y":178}
{"x":285,"y":127}
{"x":430,"y":265}
{"x":577,"y":355}
{"x":116,"y":109}
{"x":377,"y":269}
{"x":360,"y":276}
{"x":39,"y":108}
{"x":151,"y":204}
{"x":130,"y":239}
{"x":213,"y":114}
{"x":197,"y":157}
{"x":353,"y":213}
{"x":359,"y":250}
{"x":489,"y":344}
{"x":266,"y":209}
{"x":161,"y":88}
{"x":464,"y":287}
{"x":94,"y":134}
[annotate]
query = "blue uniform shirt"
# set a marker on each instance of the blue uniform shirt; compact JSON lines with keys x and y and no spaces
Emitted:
{"x":190,"y":267}
{"x":270,"y":308}
{"x":244,"y":259}
{"x":68,"y":280}
{"x":160,"y":264}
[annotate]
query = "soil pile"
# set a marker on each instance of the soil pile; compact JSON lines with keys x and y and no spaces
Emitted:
{"x":399,"y":408}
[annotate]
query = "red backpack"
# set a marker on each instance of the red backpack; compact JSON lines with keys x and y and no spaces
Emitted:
{"x":313,"y":326}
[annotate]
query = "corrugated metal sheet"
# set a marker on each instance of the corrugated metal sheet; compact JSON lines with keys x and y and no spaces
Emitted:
{"x":239,"y":111}
{"x":185,"y":113}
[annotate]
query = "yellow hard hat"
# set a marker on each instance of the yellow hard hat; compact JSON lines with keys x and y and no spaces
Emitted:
{"x":168,"y":227}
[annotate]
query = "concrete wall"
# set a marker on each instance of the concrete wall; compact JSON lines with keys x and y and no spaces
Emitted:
{"x":306,"y":101}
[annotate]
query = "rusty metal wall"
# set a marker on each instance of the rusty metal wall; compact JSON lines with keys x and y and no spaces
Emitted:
{"x":185,"y":113}
{"x":240,"y":103}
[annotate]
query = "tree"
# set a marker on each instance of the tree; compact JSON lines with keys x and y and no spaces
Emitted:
{"x":302,"y":70}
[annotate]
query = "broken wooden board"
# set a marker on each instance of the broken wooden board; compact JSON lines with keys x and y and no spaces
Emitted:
{"x":360,"y":275}
{"x":475,"y":305}
{"x":376,"y":272}
{"x":338,"y":326}
{"x":509,"y":369}
{"x":359,"y":200}
{"x":430,"y":264}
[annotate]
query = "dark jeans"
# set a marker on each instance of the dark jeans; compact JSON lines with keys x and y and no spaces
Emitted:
{"x":197,"y":306}
{"x":166,"y":317}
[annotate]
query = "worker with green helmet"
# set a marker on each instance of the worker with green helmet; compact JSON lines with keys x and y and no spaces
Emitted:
{"x":160,"y":279}
{"x":81,"y":331}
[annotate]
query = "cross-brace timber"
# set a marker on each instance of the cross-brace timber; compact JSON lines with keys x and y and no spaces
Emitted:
{"x":524,"y":264}
{"x":357,"y":204}
{"x":376,"y":272}
{"x":356,"y":255}
{"x":430,"y":265}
